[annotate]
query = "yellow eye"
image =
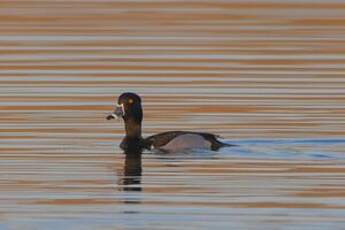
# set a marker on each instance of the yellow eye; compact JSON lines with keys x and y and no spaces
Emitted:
{"x":130,"y":101}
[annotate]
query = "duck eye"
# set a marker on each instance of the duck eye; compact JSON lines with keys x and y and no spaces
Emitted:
{"x":130,"y":101}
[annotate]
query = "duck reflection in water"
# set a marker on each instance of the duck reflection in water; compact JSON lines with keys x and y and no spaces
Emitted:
{"x":131,"y":179}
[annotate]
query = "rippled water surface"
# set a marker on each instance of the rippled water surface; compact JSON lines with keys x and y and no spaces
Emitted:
{"x":268,"y":76}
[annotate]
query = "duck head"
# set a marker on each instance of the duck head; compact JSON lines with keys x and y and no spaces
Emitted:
{"x":128,"y":106}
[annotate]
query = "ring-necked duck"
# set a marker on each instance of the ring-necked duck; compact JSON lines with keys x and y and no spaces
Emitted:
{"x":129,"y":108}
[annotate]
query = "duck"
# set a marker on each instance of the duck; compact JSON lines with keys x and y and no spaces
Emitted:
{"x":129,"y":108}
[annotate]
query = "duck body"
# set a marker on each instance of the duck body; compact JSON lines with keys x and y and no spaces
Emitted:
{"x":129,"y":108}
{"x":178,"y":140}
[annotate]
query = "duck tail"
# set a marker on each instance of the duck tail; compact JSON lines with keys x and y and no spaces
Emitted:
{"x":215,"y":143}
{"x":218,"y":144}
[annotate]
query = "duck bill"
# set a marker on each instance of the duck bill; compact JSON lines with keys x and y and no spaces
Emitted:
{"x":118,"y":112}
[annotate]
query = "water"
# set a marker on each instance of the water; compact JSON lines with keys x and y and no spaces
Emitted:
{"x":265,"y":75}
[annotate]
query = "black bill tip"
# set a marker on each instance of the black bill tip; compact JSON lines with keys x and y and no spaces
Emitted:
{"x":110,"y":117}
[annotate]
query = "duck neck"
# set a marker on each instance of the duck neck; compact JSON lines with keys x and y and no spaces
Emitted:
{"x":133,"y":129}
